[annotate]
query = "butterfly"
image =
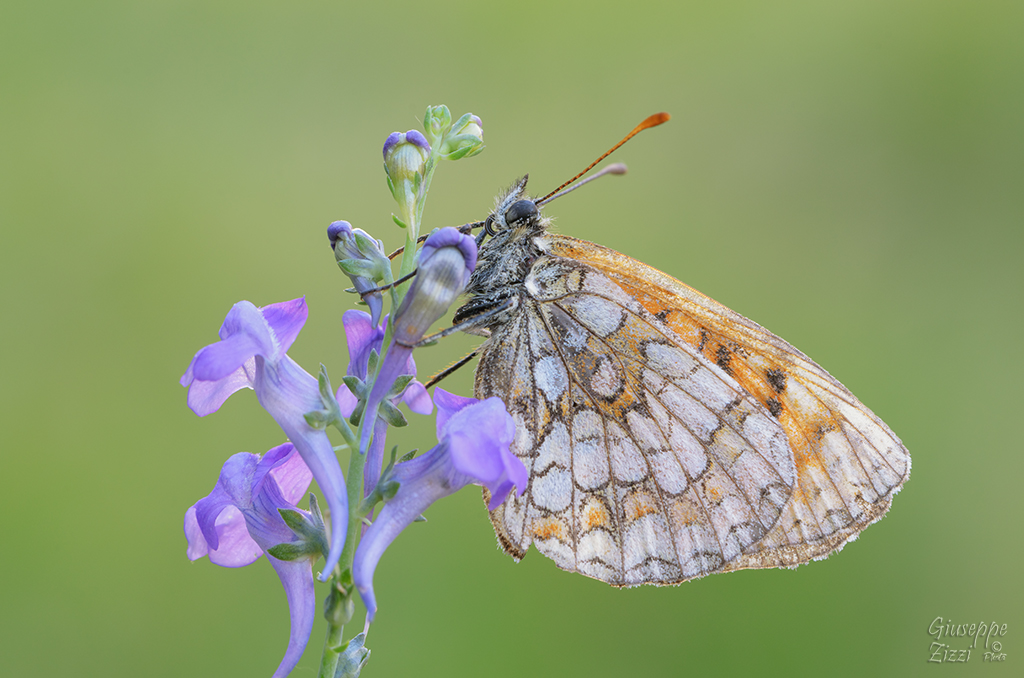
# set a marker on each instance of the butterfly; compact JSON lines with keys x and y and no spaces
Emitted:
{"x":666,"y":436}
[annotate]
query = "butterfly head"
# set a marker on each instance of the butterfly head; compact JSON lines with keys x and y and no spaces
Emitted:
{"x":514,"y":214}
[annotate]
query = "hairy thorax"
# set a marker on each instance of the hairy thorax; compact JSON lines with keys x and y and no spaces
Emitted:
{"x":503,"y":263}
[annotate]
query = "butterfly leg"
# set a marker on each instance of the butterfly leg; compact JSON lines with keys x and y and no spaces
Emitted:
{"x":465,"y":229}
{"x":476,"y":322}
{"x":452,"y":368}
{"x":384,"y":287}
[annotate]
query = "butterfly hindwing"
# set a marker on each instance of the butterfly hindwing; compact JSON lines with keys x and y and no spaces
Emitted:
{"x":648,"y":462}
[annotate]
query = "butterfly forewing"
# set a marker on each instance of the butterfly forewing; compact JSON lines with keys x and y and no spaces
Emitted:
{"x":847,"y":462}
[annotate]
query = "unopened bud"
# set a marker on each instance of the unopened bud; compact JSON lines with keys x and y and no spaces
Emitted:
{"x":362,"y":258}
{"x":436,"y":122}
{"x":405,"y":156}
{"x":465,"y":139}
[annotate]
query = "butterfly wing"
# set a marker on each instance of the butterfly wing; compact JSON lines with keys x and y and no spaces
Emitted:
{"x":668,"y":437}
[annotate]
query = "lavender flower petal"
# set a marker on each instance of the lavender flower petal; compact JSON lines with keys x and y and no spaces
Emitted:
{"x":297,"y":578}
{"x":444,"y":268}
{"x":417,"y":398}
{"x":287,"y":392}
{"x":251,"y":354}
{"x":476,"y":439}
{"x":248,"y":495}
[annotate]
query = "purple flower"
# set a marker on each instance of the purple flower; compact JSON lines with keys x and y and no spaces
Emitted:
{"x":239,"y":521}
{"x":252,"y":354}
{"x":363,"y":337}
{"x":474,"y":438}
{"x":445,"y":264}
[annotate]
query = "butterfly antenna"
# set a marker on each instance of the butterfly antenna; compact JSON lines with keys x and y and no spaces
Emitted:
{"x":614,"y":168}
{"x":650,"y":121}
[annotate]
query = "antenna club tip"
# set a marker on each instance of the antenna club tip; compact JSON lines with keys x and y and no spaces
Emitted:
{"x":656,"y":119}
{"x":616,"y":168}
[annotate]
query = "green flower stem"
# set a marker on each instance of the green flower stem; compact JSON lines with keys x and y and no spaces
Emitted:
{"x":354,"y":481}
{"x":329,"y":660}
{"x":354,"y":487}
{"x":413,"y":220}
{"x":412,"y":214}
{"x":349,"y":435}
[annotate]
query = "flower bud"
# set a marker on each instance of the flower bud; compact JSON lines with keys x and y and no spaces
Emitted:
{"x":436,"y":122}
{"x":405,"y":156}
{"x":362,"y":258}
{"x":465,"y":139}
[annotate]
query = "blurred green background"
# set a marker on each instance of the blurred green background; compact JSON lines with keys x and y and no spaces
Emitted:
{"x":850,"y":175}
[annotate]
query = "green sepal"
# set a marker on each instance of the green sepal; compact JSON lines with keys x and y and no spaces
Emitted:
{"x":357,"y":414}
{"x":408,"y":455}
{"x":386,"y":487}
{"x":468,"y":150}
{"x":371,"y":363}
{"x":391,"y":414}
{"x":292,"y":551}
{"x":462,"y":121}
{"x":310,"y":530}
{"x":330,"y":414}
{"x":436,"y":123}
{"x":463,"y":140}
{"x":401,"y":224}
{"x":420,"y":519}
{"x":353,"y":658}
{"x":293,"y":519}
{"x":360,"y":268}
{"x":389,"y":489}
{"x":355,"y":385}
{"x":317,"y":420}
{"x":314,"y":509}
{"x":399,"y":386}
{"x":370,"y":249}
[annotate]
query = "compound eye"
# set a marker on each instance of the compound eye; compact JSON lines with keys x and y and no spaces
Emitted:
{"x":521,"y":210}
